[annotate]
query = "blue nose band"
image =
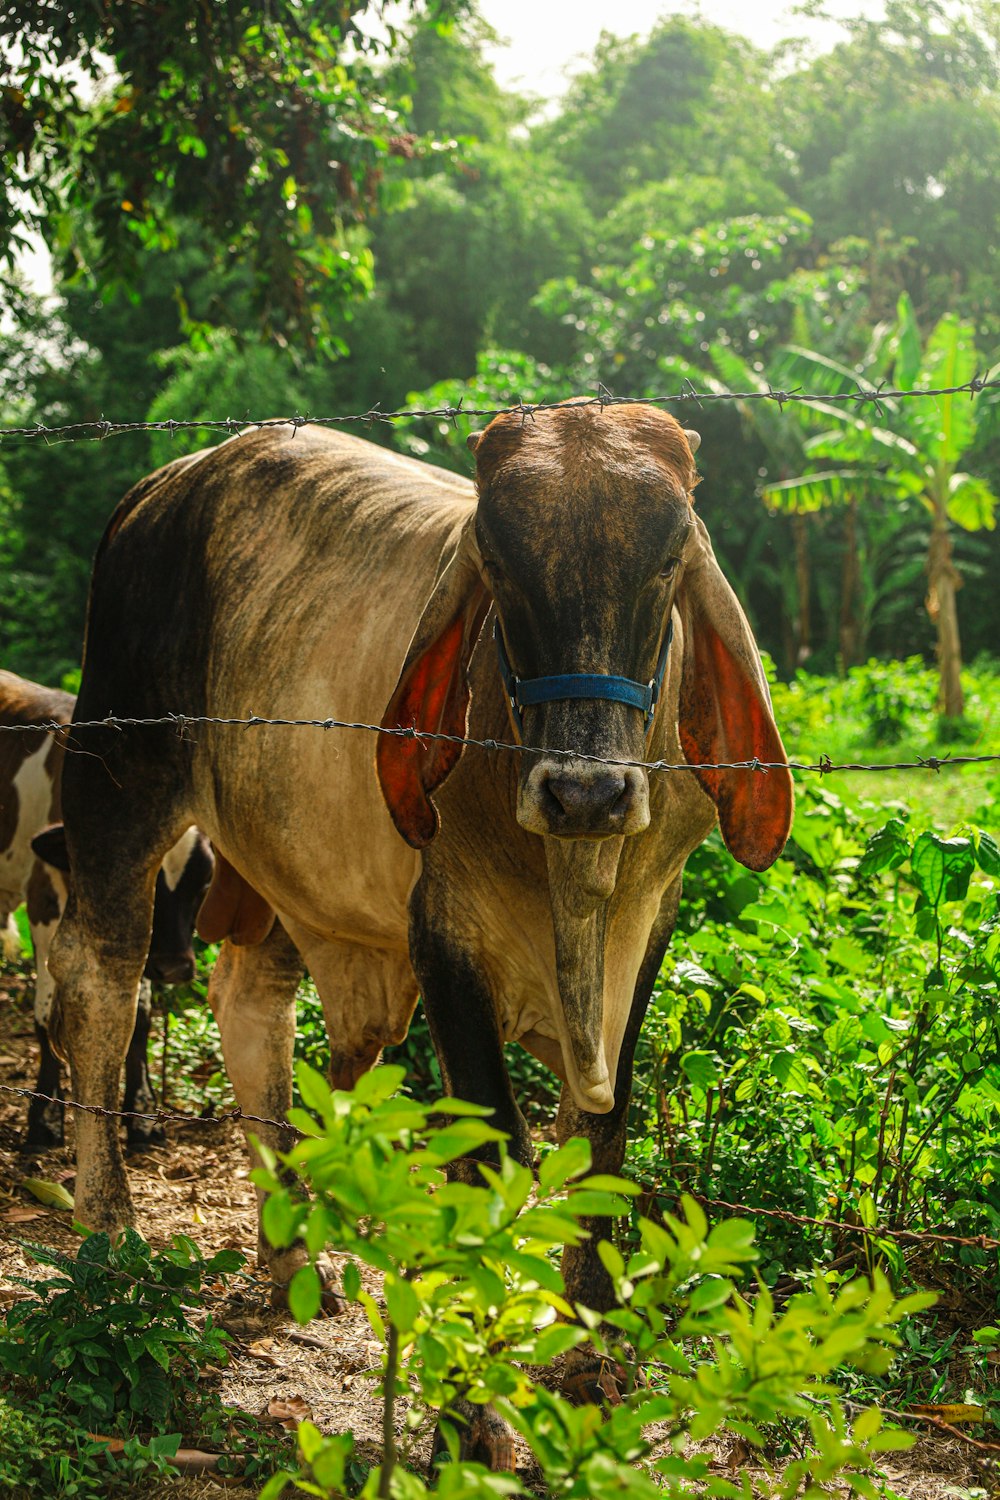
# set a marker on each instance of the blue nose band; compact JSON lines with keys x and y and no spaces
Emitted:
{"x":526,"y":692}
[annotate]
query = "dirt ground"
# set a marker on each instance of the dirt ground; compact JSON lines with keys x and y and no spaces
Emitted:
{"x":198,"y":1184}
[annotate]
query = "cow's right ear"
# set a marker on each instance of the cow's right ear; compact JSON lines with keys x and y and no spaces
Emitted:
{"x":50,"y":845}
{"x":432,"y":694}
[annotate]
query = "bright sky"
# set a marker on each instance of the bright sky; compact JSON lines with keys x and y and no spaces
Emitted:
{"x":548,"y":36}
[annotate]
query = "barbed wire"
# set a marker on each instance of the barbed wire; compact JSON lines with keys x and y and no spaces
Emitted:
{"x":157,"y":1116}
{"x":237,"y":1116}
{"x":862,"y":396}
{"x":871,"y":1231}
{"x":824,"y":766}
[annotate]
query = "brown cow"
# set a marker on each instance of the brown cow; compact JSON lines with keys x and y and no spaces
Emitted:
{"x":311,"y":574}
{"x":34,"y":871}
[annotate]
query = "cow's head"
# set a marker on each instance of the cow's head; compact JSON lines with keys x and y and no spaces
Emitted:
{"x":585,"y":536}
{"x":181,"y":883}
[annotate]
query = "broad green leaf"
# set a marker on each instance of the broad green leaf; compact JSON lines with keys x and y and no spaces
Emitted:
{"x":305,"y":1294}
{"x":790,"y":1071}
{"x":401,"y":1302}
{"x":907,"y":343}
{"x":569,"y":1161}
{"x":887,"y":848}
{"x":971,"y":503}
{"x":942,"y":868}
{"x":849,"y":955}
{"x":987,"y":853}
{"x":350,"y":1281}
{"x":701,"y":1068}
{"x":945,"y":425}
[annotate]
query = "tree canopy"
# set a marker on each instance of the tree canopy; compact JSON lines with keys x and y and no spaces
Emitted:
{"x":286,"y":211}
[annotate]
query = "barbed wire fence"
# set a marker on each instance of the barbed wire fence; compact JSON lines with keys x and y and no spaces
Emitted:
{"x":237,"y":1116}
{"x":864,"y":395}
{"x":183,"y":723}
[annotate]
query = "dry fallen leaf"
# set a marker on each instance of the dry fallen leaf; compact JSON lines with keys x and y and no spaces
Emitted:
{"x":21,"y":1215}
{"x":263,"y":1350}
{"x":49,"y":1193}
{"x":951,"y":1412}
{"x":289,"y":1411}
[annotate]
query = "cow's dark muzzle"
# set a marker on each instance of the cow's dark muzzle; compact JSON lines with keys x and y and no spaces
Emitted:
{"x":573,"y":801}
{"x":170,"y":968}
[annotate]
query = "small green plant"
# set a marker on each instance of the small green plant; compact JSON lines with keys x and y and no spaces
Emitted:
{"x":108,"y":1337}
{"x":473,"y":1306}
{"x":41,"y":1453}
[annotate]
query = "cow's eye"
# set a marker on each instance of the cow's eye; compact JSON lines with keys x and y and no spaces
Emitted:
{"x":670,"y":567}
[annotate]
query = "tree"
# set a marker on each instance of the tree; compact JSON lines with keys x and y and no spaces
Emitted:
{"x":264,"y":126}
{"x":911,"y":453}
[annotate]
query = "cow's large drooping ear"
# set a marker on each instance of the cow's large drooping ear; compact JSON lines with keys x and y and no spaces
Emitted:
{"x":725,"y":714}
{"x":50,"y":845}
{"x":432,"y":694}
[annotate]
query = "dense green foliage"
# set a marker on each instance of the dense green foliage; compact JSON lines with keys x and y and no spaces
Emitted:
{"x":473,"y":1305}
{"x":693,"y":206}
{"x":104,"y":1366}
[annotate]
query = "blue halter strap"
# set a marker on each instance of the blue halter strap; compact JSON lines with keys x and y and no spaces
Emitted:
{"x":525,"y":692}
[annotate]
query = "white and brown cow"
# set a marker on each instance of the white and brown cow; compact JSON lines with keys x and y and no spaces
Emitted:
{"x":302,"y":575}
{"x":34,"y":870}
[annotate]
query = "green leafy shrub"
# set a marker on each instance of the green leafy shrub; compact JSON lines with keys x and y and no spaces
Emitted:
{"x":108,"y":1337}
{"x":41,"y":1453}
{"x":826,"y":1041}
{"x":474,"y":1306}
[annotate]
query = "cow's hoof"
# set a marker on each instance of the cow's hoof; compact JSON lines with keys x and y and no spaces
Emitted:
{"x":598,"y":1382}
{"x":484,"y":1438}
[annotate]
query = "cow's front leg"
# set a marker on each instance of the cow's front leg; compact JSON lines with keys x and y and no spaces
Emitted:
{"x":588,"y":1377}
{"x":96,"y":962}
{"x":464,"y":1028}
{"x":466,"y":1034}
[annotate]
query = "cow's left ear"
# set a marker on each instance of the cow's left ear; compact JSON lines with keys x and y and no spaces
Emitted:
{"x":725,"y":713}
{"x":433,"y":694}
{"x":50,"y":845}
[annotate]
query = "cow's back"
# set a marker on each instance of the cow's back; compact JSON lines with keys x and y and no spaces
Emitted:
{"x":280,"y":575}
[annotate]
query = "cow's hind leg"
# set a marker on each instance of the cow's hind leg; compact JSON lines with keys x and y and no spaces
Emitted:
{"x":252,"y":994}
{"x":96,"y":962}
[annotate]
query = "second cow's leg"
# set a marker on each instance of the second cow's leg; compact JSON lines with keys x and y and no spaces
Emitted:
{"x":46,"y":1121}
{"x":252,"y":994}
{"x":139,"y":1095}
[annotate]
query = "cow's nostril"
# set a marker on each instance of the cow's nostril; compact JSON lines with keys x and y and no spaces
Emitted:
{"x":592,"y":799}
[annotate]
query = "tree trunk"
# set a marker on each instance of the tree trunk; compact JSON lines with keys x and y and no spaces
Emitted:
{"x":944,"y":582}
{"x":850,"y":625}
{"x":803,"y":625}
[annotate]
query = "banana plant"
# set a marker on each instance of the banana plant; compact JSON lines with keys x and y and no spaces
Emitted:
{"x":910,"y":453}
